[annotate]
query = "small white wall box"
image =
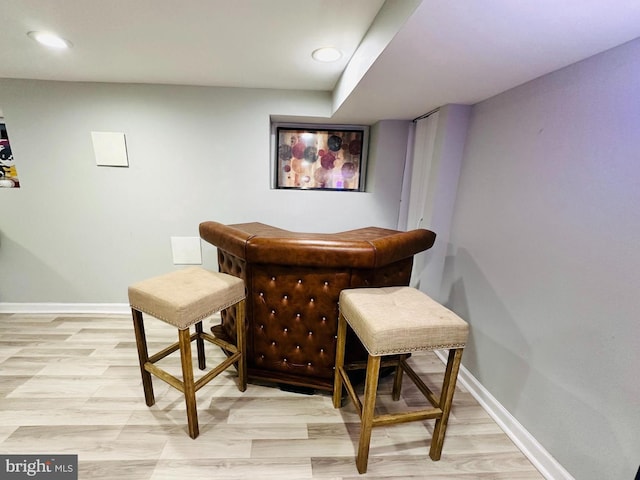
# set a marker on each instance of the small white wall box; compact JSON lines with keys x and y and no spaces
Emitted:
{"x":110,"y":149}
{"x":186,"y":250}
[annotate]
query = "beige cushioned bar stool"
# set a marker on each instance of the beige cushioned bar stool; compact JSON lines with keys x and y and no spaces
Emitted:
{"x":395,"y":321}
{"x":184,"y":298}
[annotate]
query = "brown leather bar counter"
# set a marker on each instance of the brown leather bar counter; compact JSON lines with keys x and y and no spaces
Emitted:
{"x":293,"y":282}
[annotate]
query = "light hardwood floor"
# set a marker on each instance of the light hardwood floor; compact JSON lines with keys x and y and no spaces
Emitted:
{"x":71,"y":385}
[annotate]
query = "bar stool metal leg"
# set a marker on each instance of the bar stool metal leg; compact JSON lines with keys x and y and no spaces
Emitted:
{"x":202,"y":362}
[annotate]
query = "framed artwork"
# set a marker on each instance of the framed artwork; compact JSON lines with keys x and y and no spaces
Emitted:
{"x":320,"y":157}
{"x":8,"y":172}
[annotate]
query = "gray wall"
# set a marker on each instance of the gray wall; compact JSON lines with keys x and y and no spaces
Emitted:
{"x":78,"y":233}
{"x":545,"y":259}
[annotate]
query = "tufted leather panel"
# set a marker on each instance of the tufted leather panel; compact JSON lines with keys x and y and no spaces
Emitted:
{"x":228,"y":263}
{"x":295,"y":319}
{"x":293,"y":283}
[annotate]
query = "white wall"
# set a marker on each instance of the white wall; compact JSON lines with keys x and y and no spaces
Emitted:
{"x":78,"y":233}
{"x":545,"y":260}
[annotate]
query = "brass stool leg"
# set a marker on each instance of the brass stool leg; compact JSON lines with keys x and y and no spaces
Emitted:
{"x":337,"y":378}
{"x":184,"y":338}
{"x":143,"y":356}
{"x":202,"y":363}
{"x":368,"y":409}
{"x":241,"y":345}
{"x":446,"y":399}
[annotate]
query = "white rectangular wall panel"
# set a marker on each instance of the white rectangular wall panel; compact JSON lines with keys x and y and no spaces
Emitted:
{"x":186,"y":250}
{"x":110,"y":149}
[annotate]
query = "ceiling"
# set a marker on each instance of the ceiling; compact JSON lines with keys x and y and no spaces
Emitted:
{"x":401,"y":58}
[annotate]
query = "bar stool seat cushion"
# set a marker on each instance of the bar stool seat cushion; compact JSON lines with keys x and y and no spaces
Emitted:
{"x":184,"y":297}
{"x":393,"y":320}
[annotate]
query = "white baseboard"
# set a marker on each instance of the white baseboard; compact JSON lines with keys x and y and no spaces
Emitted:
{"x":532,"y":449}
{"x":78,"y":308}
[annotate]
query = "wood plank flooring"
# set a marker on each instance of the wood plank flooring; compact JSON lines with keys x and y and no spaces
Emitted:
{"x":71,"y":385}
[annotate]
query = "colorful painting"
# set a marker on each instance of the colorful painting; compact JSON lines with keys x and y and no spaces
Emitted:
{"x":8,"y":172}
{"x":310,"y":157}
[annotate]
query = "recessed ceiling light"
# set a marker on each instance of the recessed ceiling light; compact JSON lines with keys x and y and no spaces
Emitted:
{"x":50,"y":40}
{"x":326,"y":54}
